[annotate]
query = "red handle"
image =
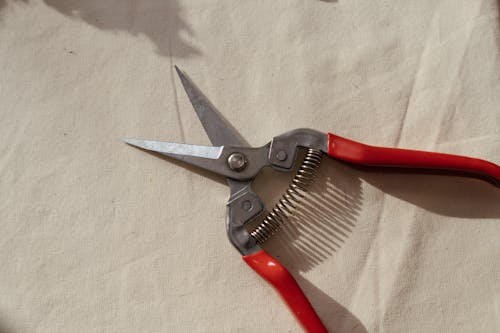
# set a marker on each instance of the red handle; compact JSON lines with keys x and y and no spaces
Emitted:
{"x":279,"y":277}
{"x":355,"y":152}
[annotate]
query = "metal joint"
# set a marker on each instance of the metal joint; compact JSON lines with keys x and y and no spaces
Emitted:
{"x":283,"y":150}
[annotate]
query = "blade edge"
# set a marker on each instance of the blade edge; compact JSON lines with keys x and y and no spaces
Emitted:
{"x":219,"y":130}
{"x":180,"y":149}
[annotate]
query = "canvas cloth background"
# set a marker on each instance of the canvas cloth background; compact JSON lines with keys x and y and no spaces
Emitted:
{"x":96,"y":236}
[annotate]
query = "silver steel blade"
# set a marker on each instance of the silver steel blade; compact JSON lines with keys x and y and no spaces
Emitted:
{"x":214,"y":159}
{"x":219,"y":130}
{"x":171,"y":148}
{"x":208,"y":158}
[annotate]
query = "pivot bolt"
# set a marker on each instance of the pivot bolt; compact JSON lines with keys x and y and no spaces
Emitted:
{"x":281,"y":155}
{"x":237,"y":161}
{"x":246,"y":205}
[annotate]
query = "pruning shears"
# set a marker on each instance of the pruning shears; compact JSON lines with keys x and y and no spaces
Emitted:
{"x":232,"y":158}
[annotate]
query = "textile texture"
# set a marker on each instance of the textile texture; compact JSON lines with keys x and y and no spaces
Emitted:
{"x":96,"y":236}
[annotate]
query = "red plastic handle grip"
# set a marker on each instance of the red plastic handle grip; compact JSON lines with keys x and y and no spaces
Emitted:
{"x":279,"y":277}
{"x":358,"y":153}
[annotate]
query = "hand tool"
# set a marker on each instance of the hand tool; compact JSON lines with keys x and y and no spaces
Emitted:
{"x":232,"y":158}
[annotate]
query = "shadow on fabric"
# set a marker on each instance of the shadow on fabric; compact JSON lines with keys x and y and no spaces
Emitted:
{"x":4,"y":328}
{"x":441,"y":193}
{"x":336,"y":317}
{"x":330,"y":213}
{"x":324,"y":219}
{"x":160,"y":21}
{"x":321,"y":224}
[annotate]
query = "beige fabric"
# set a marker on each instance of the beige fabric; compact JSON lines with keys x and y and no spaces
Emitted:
{"x":98,"y":237}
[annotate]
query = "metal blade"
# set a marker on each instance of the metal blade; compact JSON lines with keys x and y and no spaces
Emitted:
{"x":219,"y":130}
{"x":171,"y":148}
{"x":214,"y":159}
{"x":208,"y":158}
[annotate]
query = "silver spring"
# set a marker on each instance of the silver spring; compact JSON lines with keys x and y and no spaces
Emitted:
{"x":292,"y":197}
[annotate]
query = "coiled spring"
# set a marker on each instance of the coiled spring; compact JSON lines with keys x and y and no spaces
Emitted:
{"x":300,"y":184}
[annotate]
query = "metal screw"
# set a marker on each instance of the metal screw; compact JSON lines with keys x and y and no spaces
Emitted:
{"x":237,"y":161}
{"x":246,"y":205}
{"x":281,"y":155}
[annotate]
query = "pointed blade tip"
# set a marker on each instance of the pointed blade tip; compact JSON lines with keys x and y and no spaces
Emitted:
{"x":128,"y":141}
{"x":142,"y":144}
{"x":179,"y":72}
